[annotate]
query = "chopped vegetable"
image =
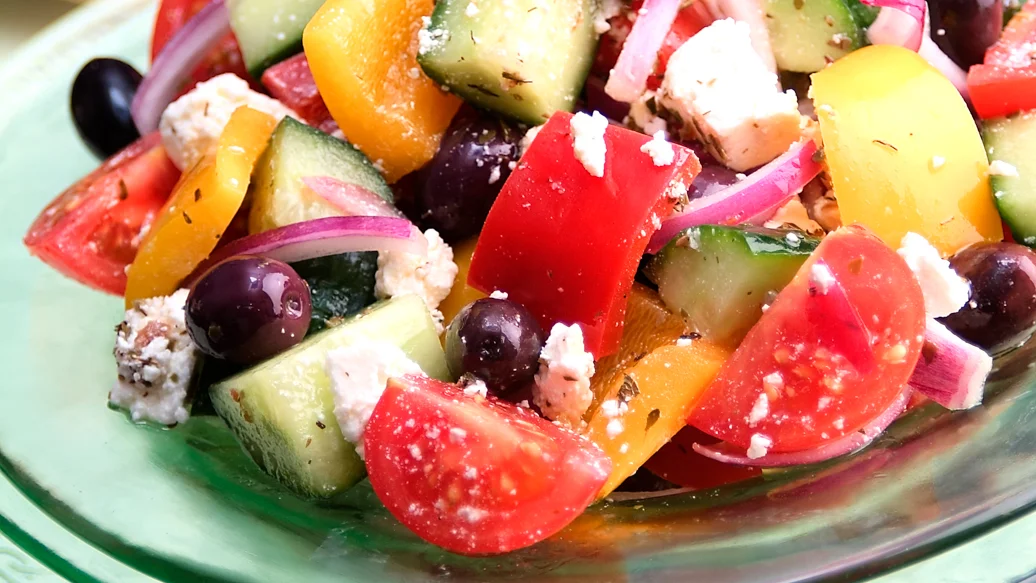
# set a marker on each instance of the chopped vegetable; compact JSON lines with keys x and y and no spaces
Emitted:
{"x":951,"y":372}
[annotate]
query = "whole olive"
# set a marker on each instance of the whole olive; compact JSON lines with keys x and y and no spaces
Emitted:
{"x":964,"y":29}
{"x":101,"y":98}
{"x":1002,"y":311}
{"x":246,"y":309}
{"x":496,"y":340}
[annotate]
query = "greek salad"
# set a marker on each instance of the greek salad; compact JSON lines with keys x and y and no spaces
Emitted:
{"x":503,"y":257}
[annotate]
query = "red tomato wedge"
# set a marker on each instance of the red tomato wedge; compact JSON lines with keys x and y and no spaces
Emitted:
{"x":291,"y":82}
{"x":226,"y":58}
{"x":1006,"y":82}
{"x":792,"y":380}
{"x":476,"y":476}
{"x":566,"y":244}
{"x":91,"y":231}
{"x":1014,"y":49}
{"x":681,"y":465}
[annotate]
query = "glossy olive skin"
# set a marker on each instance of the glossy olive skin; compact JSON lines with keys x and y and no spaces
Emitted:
{"x":497,"y":341}
{"x":1002,"y":311}
{"x":458,"y":187}
{"x":101,"y":98}
{"x":969,"y":28}
{"x":247,"y":309}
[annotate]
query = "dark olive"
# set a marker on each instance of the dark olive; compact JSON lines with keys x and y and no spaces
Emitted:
{"x":964,"y":29}
{"x":101,"y":98}
{"x":497,"y":341}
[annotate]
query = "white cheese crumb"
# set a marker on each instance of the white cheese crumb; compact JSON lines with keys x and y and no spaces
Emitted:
{"x":773,"y":382}
{"x":429,"y":40}
{"x":624,"y":448}
{"x":641,"y":115}
{"x":1001,"y":168}
{"x":588,"y":141}
{"x":607,"y":10}
{"x":359,"y":374}
{"x":614,"y":428}
{"x":429,"y":275}
{"x":944,"y":291}
{"x":759,"y":411}
{"x":477,"y":387}
{"x":759,"y":445}
{"x":684,"y":341}
{"x":414,"y":73}
{"x":192,"y":125}
{"x":470,"y":513}
{"x":562,"y":389}
{"x":839,"y":423}
{"x":156,"y":360}
{"x":938,"y":162}
{"x":498,"y":295}
{"x":527,"y":139}
{"x":457,"y":434}
{"x":820,"y":276}
{"x":494,"y":174}
{"x":471,"y":10}
{"x":661,"y":151}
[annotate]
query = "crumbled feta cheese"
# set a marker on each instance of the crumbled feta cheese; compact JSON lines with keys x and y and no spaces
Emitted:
{"x":684,"y":341}
{"x":429,"y":40}
{"x":1001,"y":168}
{"x":588,"y":141}
{"x":359,"y":373}
{"x":156,"y":360}
{"x":661,"y":151}
{"x":494,"y":174}
{"x":758,"y":446}
{"x":614,"y":408}
{"x":476,"y":387}
{"x":429,"y":275}
{"x":944,"y":291}
{"x":759,"y":411}
{"x":614,"y":428}
{"x":821,"y":278}
{"x":642,"y":115}
{"x":471,"y":10}
{"x":938,"y":162}
{"x":773,"y":382}
{"x":192,"y":124}
{"x":607,"y":10}
{"x":720,"y":86}
{"x":562,"y":389}
{"x":498,"y":295}
{"x":414,"y":73}
{"x":526,"y":142}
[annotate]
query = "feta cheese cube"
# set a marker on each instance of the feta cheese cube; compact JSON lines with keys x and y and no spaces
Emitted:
{"x":429,"y":275}
{"x":643,"y":115}
{"x":192,"y":124}
{"x":944,"y":291}
{"x":359,"y":374}
{"x":728,"y":99}
{"x":562,"y":389}
{"x":156,"y":360}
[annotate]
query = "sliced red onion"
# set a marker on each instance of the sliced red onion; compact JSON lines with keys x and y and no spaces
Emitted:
{"x":855,"y":441}
{"x":931,"y":52}
{"x":323,"y":237}
{"x":836,"y":320}
{"x":767,"y":188}
{"x":178,"y":58}
{"x":951,"y":372}
{"x":900,"y":22}
{"x":352,"y":199}
{"x":628,"y":78}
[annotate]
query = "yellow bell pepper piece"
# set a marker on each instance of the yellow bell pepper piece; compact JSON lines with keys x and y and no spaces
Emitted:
{"x":665,"y":385}
{"x":902,"y":149}
{"x":202,"y":206}
{"x":363,"y":54}
{"x":462,"y":294}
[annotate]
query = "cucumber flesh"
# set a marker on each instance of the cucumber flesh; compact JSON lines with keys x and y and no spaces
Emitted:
{"x":269,"y":31}
{"x":339,"y":286}
{"x":297,"y":151}
{"x":719,"y":278}
{"x":282,"y":410}
{"x":523,"y":59}
{"x":806,"y":35}
{"x":1013,"y":140}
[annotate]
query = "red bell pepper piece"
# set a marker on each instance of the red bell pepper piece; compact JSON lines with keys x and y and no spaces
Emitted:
{"x":566,"y":244}
{"x":291,"y":82}
{"x":1006,"y":82}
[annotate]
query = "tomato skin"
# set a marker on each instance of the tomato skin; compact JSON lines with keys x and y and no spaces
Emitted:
{"x":566,"y":244}
{"x":92,"y":231}
{"x":681,"y":465}
{"x":225,"y":58}
{"x":818,"y":395}
{"x":291,"y":82}
{"x":1006,"y":82}
{"x":472,"y":475}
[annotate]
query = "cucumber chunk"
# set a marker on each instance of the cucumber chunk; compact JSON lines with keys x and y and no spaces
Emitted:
{"x":719,"y":278}
{"x":339,"y":286}
{"x":297,"y":151}
{"x":806,"y":35}
{"x":524,"y":59}
{"x":282,"y":410}
{"x":269,"y":31}
{"x":1013,"y":140}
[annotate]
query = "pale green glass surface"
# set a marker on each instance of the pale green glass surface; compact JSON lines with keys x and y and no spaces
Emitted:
{"x":187,"y":505}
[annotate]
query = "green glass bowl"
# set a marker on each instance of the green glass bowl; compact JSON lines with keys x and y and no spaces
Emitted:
{"x":187,"y":505}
